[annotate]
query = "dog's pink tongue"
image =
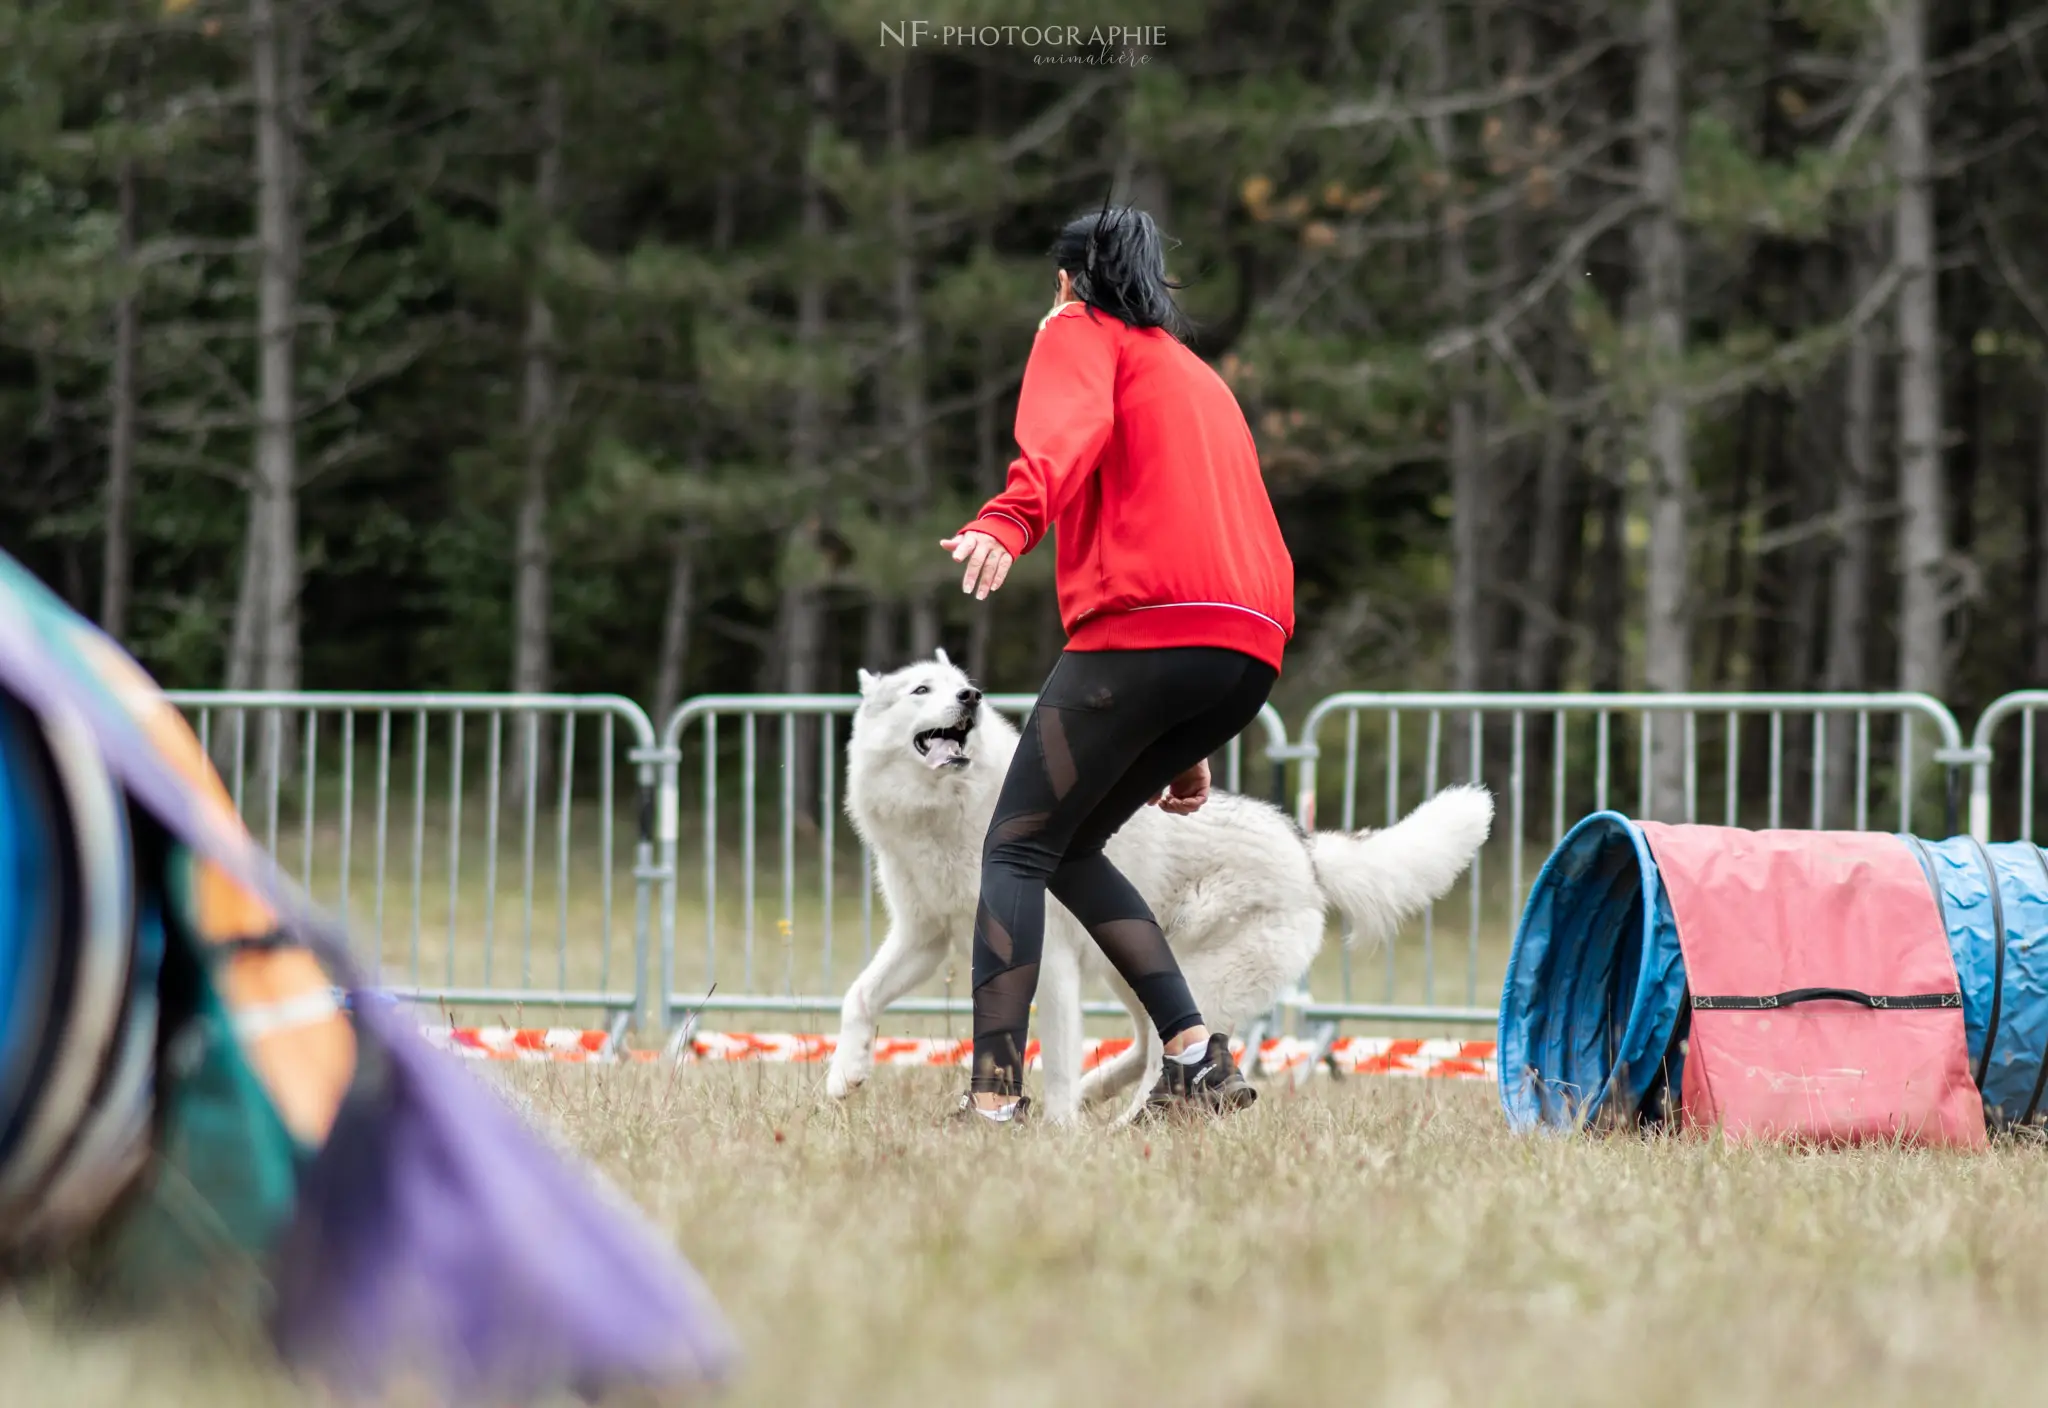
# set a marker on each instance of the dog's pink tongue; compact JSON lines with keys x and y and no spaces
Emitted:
{"x":943,"y":753}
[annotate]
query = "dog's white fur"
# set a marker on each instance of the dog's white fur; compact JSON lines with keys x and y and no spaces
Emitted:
{"x":1241,"y":894}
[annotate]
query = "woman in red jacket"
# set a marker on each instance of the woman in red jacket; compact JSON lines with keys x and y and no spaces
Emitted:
{"x":1178,"y":598}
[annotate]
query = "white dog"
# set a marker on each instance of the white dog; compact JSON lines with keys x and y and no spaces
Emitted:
{"x":1240,"y":892}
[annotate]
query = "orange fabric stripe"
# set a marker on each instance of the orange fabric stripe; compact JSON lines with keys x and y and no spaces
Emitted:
{"x":306,"y":1069}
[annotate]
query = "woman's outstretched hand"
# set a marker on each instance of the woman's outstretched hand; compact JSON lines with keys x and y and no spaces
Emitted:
{"x":988,"y":562}
{"x":1187,"y":792}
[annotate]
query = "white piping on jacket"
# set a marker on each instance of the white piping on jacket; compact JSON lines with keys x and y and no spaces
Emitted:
{"x":1219,"y":605}
{"x":1024,"y":527}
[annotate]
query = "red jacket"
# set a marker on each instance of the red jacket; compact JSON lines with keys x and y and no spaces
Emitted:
{"x":1137,"y":451}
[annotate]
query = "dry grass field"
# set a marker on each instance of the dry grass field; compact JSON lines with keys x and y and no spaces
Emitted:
{"x":1370,"y":1241}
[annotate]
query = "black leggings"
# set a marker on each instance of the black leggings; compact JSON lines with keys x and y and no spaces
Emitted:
{"x":1111,"y":730}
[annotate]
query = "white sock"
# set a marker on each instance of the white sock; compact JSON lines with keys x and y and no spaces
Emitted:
{"x":1002,"y":1114}
{"x":1194,"y":1054}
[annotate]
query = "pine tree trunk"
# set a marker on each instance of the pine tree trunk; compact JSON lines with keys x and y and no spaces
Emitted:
{"x":1771,"y":605}
{"x":878,"y":636}
{"x":674,"y":654}
{"x":980,"y":633}
{"x":1734,"y":588}
{"x":1470,"y":505}
{"x":800,"y":627}
{"x":1559,"y":654}
{"x":1803,"y":596}
{"x":2038,"y":675}
{"x":117,"y":560}
{"x":244,"y":641}
{"x":275,"y":56}
{"x":1532,"y":625}
{"x":1667,"y":635}
{"x":1963,"y":469}
{"x":1923,"y":529}
{"x":539,"y":406}
{"x":910,"y":351}
{"x":1147,"y":188}
{"x":531,"y":551}
{"x":273,"y":574}
{"x":924,"y":625}
{"x":1849,"y":621}
{"x":988,"y":462}
{"x":988,"y":479}
{"x":1847,"y":667}
{"x":1608,"y":571}
{"x":1536,"y":644}
{"x":800,"y":620}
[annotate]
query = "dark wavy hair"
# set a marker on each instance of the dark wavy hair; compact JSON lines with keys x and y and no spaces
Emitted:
{"x":1117,"y":260}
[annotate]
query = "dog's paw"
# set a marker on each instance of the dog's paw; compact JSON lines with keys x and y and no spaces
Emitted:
{"x":842,"y":1081}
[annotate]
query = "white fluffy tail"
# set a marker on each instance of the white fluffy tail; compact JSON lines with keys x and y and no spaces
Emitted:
{"x":1378,"y":879}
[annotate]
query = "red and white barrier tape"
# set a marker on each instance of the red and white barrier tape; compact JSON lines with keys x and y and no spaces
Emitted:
{"x":524,"y":1043}
{"x":1428,"y":1058}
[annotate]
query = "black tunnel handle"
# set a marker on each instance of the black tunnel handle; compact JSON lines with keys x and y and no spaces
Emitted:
{"x":1876,"y":1002}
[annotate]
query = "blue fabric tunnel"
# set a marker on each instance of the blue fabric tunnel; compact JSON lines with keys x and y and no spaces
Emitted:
{"x":1994,"y":901}
{"x":1596,"y":984}
{"x":1595,"y":981}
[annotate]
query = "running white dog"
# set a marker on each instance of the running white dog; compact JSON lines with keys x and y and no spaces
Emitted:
{"x":1240,"y":892}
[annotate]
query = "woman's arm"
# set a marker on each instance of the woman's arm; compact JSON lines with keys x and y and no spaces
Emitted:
{"x":1065,"y":413}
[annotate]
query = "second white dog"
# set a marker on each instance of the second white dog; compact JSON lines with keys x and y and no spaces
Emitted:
{"x":1240,"y":892}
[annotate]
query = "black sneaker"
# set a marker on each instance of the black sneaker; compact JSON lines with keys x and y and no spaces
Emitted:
{"x":1212,"y":1085}
{"x":965,"y":1113}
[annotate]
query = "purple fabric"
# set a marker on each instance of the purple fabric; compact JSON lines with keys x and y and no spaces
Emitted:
{"x":41,"y":665}
{"x":437,"y":1234}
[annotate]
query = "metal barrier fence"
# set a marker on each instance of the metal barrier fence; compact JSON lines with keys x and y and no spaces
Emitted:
{"x":822,"y":878}
{"x":1983,"y":781}
{"x":477,"y":844}
{"x":1736,"y":759}
{"x":304,"y":768}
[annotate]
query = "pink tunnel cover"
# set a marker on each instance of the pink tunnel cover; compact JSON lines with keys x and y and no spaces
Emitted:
{"x":1769,"y":912}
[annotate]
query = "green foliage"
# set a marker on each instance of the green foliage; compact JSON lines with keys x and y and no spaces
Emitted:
{"x":1290,"y":150}
{"x":1731,"y":195}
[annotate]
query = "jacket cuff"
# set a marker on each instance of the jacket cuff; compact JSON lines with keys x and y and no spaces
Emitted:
{"x":1004,"y":529}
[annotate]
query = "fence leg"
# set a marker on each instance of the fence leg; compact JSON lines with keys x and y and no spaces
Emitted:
{"x":1325,"y":1037}
{"x":656,"y":820}
{"x":1303,"y":808}
{"x":1254,"y":1038}
{"x":1977,"y":758}
{"x":1980,"y":796}
{"x":643,"y":881}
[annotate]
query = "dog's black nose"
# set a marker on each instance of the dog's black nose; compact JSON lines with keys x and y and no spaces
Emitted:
{"x":970,"y":696}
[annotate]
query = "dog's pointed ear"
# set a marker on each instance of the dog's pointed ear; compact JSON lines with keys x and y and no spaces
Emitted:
{"x":867,"y":681}
{"x":941,"y":654}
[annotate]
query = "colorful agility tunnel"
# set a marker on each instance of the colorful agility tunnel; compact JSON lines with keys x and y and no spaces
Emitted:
{"x":1831,"y":986}
{"x":197,"y":1089}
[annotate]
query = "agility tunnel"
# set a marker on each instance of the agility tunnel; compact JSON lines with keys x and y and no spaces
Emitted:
{"x":1822,"y":986}
{"x":195,"y":1082}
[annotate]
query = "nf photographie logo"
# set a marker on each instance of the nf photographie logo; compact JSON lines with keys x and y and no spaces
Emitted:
{"x":1054,"y":43}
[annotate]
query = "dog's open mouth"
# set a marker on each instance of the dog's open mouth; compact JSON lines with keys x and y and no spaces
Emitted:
{"x":945,"y":747}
